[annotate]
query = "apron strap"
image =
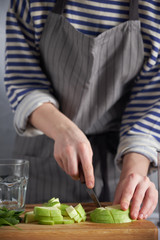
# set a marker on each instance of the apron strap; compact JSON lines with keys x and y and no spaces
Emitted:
{"x":133,"y":10}
{"x":59,"y":6}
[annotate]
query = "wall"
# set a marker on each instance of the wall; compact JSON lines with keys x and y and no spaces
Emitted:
{"x":7,"y":132}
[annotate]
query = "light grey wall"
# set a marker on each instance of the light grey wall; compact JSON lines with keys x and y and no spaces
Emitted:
{"x":7,"y":132}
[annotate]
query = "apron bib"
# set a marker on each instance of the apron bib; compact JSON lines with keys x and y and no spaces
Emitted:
{"x":91,"y":76}
{"x":91,"y":79}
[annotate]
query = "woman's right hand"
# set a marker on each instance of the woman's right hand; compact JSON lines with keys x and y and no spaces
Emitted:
{"x":71,"y":145}
{"x":72,"y":148}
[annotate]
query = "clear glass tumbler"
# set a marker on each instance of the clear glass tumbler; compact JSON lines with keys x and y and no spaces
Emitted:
{"x":14,"y":176}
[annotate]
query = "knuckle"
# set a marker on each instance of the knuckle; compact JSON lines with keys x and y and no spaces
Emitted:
{"x":129,"y":192}
{"x":68,"y":150}
{"x":72,"y":172}
{"x":85,"y":145}
{"x":85,"y":150}
{"x":146,"y":179}
{"x":153,"y":187}
{"x":82,"y":146}
{"x":153,"y":192}
{"x":132,"y":176}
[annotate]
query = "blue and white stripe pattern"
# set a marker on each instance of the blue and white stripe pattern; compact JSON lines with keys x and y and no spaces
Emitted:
{"x":27,"y":86}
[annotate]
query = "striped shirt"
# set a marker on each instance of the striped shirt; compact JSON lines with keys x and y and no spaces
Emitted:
{"x":28,"y":87}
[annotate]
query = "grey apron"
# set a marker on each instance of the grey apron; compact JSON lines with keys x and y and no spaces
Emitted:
{"x":91,"y":79}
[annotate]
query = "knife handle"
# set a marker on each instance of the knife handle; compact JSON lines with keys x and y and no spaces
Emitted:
{"x":81,"y":174}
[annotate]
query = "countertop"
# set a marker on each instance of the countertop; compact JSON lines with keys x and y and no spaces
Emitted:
{"x":155,"y":219}
{"x":139,"y":230}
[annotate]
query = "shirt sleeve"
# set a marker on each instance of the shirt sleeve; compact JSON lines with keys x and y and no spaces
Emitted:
{"x":26,"y":84}
{"x":140,"y":128}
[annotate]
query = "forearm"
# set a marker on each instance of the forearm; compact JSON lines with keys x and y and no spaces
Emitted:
{"x":49,"y":120}
{"x":134,"y":163}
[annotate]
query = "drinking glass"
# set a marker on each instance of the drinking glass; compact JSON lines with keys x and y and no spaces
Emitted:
{"x":14,"y":174}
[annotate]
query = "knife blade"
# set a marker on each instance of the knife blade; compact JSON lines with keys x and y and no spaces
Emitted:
{"x":90,"y":191}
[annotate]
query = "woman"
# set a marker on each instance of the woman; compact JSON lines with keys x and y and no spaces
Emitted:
{"x":70,"y":66}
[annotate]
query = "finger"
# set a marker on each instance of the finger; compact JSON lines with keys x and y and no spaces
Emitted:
{"x":73,"y":167}
{"x":118,"y":194}
{"x":129,"y":189}
{"x":86,"y":161}
{"x":149,"y":203}
{"x":153,"y":206}
{"x":58,"y":159}
{"x":60,"y":162}
{"x":138,"y":197}
{"x":71,"y":162}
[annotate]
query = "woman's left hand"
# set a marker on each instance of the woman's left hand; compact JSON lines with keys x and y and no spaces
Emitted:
{"x":135,"y":189}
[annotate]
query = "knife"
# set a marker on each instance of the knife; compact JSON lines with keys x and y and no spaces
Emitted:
{"x":90,"y":191}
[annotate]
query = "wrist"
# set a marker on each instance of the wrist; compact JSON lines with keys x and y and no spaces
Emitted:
{"x":51,"y":121}
{"x":134,"y":163}
{"x":48,"y":119}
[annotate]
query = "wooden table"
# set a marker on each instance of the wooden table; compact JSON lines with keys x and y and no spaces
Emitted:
{"x":138,"y":230}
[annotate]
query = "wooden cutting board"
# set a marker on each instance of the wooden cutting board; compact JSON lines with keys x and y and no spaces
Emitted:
{"x":138,"y":230}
